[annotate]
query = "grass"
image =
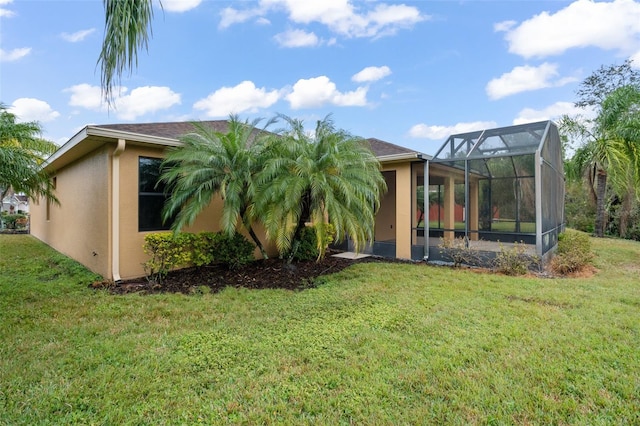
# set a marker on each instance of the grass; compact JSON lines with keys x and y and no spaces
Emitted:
{"x":374,"y":344}
{"x":496,"y":226}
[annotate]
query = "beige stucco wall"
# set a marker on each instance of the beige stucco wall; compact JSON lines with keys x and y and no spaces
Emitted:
{"x":79,"y":227}
{"x":385,"y":227}
{"x":131,"y":240}
{"x":403,"y":204}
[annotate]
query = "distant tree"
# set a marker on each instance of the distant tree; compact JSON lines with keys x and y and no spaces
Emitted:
{"x":22,"y":152}
{"x":609,"y":156}
{"x":595,"y":88}
{"x":211,"y":163}
{"x":329,"y":176}
{"x":601,"y":156}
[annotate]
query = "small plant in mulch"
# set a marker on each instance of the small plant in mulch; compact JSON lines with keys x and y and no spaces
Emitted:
{"x":515,"y":261}
{"x":574,"y":253}
{"x":460,"y":252}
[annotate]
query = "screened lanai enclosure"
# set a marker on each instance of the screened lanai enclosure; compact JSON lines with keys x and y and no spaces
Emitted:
{"x":490,"y":189}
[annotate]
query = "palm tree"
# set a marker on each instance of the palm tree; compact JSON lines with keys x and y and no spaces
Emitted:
{"x":620,"y":123}
{"x":328,"y":177}
{"x":126,"y":30}
{"x":211,"y":163}
{"x":22,"y":152}
{"x":610,"y":159}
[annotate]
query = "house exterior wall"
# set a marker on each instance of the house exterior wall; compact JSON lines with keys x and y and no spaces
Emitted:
{"x":131,"y":240}
{"x":132,"y":255}
{"x":83,"y":226}
{"x":79,"y":227}
{"x":403,"y":204}
{"x":385,"y":226}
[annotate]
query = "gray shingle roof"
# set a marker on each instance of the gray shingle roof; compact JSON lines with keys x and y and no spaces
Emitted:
{"x":382,"y":148}
{"x":174,"y":130}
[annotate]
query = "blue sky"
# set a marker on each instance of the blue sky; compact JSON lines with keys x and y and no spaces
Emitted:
{"x":409,"y":72}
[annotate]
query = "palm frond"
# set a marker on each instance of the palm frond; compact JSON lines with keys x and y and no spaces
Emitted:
{"x":127,"y":30}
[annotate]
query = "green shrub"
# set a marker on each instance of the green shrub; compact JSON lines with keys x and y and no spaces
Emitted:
{"x":167,"y":251}
{"x":308,"y":247}
{"x":514,"y":261}
{"x":13,"y":221}
{"x":574,"y":252}
{"x":580,"y":210}
{"x":457,"y":250}
{"x":202,"y":248}
{"x":233,"y":251}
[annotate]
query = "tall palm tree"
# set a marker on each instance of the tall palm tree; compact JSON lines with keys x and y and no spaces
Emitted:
{"x":126,"y":30}
{"x":22,"y":152}
{"x":611,"y":157}
{"x":211,"y":163}
{"x":327,"y":177}
{"x":620,"y":123}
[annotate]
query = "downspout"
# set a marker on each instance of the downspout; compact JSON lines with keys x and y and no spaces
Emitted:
{"x":466,"y":203}
{"x":115,"y":210}
{"x":425,"y":208}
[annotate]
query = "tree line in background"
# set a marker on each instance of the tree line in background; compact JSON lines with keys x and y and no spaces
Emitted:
{"x":602,"y":149}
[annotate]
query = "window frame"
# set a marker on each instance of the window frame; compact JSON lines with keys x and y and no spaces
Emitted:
{"x":148,"y":200}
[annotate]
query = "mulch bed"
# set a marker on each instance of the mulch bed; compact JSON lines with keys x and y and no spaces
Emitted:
{"x":261,"y":274}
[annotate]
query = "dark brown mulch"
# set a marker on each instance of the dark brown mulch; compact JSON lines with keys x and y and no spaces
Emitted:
{"x":261,"y":274}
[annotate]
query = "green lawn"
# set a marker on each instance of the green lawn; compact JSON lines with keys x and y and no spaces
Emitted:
{"x":496,"y":226}
{"x":374,"y":344}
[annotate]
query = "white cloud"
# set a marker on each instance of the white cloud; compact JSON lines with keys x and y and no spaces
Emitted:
{"x":14,"y":55}
{"x":340,"y":16}
{"x":504,"y":26}
{"x":140,"y":101}
{"x":551,"y":112}
{"x":145,"y":100}
{"x":243,"y":97}
{"x":86,"y":96}
{"x":6,"y":13}
{"x":180,"y":5}
{"x":635,"y":58}
{"x":425,"y":131}
{"x":230,"y":16}
{"x":77,"y":36}
{"x":607,"y":25}
{"x":29,"y":109}
{"x":297,"y":38}
{"x":371,"y":74}
{"x":388,"y":19}
{"x":318,"y":91}
{"x":526,"y":78}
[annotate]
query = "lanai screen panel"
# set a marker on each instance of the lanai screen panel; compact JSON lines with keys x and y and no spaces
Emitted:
{"x":552,"y":180}
{"x":513,"y":190}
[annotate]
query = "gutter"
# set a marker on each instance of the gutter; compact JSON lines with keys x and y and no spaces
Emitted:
{"x":100,"y":132}
{"x":115,"y":210}
{"x":399,"y":157}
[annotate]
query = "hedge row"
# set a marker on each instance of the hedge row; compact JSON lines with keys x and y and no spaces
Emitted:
{"x":169,"y":251}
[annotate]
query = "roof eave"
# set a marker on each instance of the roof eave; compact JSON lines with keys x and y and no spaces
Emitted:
{"x":405,"y":156}
{"x":105,"y":134}
{"x":130,"y":136}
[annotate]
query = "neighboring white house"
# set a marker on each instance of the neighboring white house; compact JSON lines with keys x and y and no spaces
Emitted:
{"x":15,"y":203}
